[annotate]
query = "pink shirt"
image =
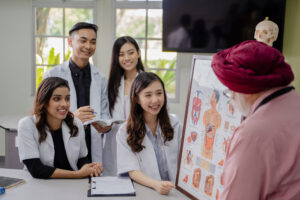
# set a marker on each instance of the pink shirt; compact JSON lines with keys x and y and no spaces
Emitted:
{"x":263,"y":158}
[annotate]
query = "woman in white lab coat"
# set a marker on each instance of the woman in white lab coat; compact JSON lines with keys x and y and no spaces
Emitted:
{"x":148,"y":143}
{"x":51,"y":142}
{"x":126,"y":63}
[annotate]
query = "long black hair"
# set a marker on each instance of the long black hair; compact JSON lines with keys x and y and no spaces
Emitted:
{"x":116,"y":71}
{"x":41,"y":101}
{"x":136,"y":127}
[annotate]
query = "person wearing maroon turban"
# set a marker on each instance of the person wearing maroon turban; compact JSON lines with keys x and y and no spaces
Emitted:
{"x":263,"y":157}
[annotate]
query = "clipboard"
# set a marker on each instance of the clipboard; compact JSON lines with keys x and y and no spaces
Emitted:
{"x":111,"y":186}
{"x":109,"y":195}
{"x":9,"y":182}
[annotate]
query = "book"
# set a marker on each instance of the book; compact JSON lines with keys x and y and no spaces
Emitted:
{"x":111,"y":186}
{"x":104,"y":122}
{"x":8,"y":182}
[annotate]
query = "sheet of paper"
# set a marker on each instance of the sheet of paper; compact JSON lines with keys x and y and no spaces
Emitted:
{"x":104,"y":122}
{"x":111,"y":185}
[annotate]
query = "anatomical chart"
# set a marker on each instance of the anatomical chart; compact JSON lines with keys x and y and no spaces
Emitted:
{"x":209,"y":124}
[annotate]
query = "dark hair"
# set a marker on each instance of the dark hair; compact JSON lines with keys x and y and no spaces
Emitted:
{"x":41,"y":100}
{"x":136,"y":128}
{"x":83,"y":25}
{"x":116,"y":71}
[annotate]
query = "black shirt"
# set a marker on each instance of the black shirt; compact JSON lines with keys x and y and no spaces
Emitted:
{"x":82,"y":82}
{"x":60,"y":155}
{"x":38,"y":170}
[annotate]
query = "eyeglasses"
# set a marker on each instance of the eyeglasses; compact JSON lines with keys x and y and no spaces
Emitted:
{"x":227,"y":93}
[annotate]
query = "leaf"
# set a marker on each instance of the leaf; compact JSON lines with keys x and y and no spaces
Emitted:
{"x":51,"y":57}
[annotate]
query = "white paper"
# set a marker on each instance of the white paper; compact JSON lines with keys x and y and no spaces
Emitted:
{"x":104,"y":122}
{"x":111,"y":185}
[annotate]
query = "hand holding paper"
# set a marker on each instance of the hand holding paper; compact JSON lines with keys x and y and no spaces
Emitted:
{"x":103,"y":125}
{"x":101,"y":129}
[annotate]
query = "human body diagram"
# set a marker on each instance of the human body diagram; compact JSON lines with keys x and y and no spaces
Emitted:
{"x":212,"y":122}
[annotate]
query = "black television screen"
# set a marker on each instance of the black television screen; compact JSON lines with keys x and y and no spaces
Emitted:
{"x":213,"y":25}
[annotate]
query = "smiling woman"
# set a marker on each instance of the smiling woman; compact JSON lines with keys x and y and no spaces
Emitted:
{"x":148,"y":144}
{"x":51,"y":141}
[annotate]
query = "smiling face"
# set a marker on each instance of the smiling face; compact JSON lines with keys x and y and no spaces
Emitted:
{"x":152,"y":99}
{"x":83,"y":43}
{"x":58,"y":106}
{"x":128,"y":57}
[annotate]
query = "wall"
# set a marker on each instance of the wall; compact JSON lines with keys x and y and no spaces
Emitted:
{"x":291,"y":40}
{"x":16,"y":54}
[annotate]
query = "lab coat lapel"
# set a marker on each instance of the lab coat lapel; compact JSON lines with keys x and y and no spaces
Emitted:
{"x":49,"y":139}
{"x":66,"y":72}
{"x":151,"y":166}
{"x":118,"y":112}
{"x":95,"y":95}
{"x":66,"y":138}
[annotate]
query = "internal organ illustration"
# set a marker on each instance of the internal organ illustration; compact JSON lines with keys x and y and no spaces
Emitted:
{"x":188,"y":160}
{"x":212,"y":121}
{"x":231,"y":109}
{"x":217,"y":194}
{"x":209,"y":184}
{"x":226,"y":125}
{"x":197,"y":178}
{"x":196,"y":109}
{"x":225,"y":144}
{"x":194,"y":136}
{"x":186,"y":178}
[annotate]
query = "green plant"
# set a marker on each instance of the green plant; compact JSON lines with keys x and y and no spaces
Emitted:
{"x":168,"y":77}
{"x":52,"y":60}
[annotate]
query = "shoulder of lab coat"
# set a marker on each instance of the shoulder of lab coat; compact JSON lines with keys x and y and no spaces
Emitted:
{"x":27,"y":139}
{"x":81,"y":135}
{"x":61,"y":71}
{"x":126,"y":158}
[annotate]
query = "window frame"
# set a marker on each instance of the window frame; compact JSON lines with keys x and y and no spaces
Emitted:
{"x":146,"y":4}
{"x":89,"y":4}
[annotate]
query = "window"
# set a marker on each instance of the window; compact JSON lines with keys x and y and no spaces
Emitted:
{"x":142,"y":20}
{"x":52,"y":21}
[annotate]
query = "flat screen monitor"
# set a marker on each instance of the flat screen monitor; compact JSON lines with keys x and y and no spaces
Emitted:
{"x":212,"y":25}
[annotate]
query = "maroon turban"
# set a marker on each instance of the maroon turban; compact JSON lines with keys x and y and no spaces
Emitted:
{"x":251,"y":67}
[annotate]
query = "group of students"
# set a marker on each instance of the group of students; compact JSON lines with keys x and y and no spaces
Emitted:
{"x":54,"y":143}
{"x":262,"y":157}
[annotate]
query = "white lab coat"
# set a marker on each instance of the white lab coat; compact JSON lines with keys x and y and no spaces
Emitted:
{"x":121,"y":111}
{"x":145,"y":161}
{"x":98,"y":101}
{"x":29,"y":146}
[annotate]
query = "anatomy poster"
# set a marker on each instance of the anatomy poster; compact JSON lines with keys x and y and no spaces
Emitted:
{"x":210,"y":121}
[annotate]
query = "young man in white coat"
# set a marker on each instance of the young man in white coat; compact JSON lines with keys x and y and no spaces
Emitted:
{"x":87,"y":85}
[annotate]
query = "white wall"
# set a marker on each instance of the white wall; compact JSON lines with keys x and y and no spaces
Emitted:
{"x":15,"y":57}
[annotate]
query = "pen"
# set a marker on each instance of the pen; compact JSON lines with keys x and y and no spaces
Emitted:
{"x":2,"y":190}
{"x":94,"y":112}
